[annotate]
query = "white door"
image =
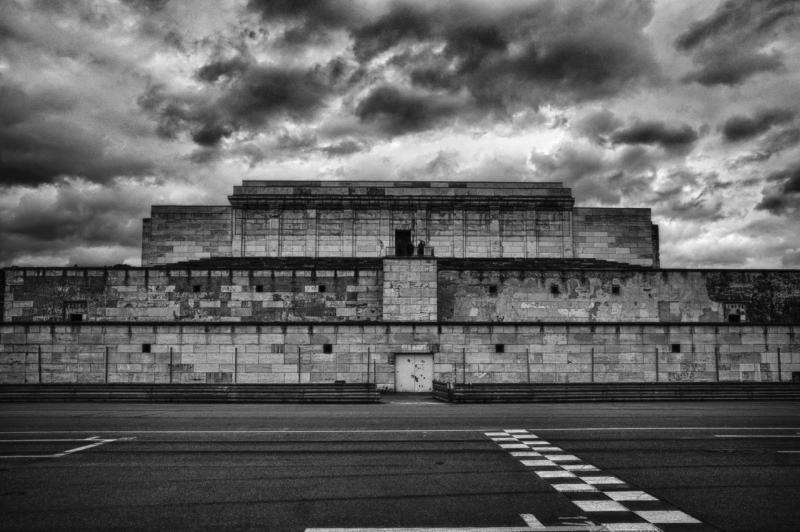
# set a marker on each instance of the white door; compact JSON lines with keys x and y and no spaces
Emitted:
{"x":413,"y":373}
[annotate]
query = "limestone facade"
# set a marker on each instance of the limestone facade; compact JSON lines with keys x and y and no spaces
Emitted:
{"x":316,"y":282}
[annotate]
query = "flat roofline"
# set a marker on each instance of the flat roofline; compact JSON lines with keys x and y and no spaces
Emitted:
{"x":403,"y":184}
{"x":624,"y":267}
{"x":360,"y":323}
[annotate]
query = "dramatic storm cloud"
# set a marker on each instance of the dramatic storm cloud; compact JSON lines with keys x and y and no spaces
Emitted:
{"x":686,"y":107}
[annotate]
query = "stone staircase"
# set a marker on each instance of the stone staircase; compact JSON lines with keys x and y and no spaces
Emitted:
{"x":192,"y":393}
{"x":646,"y":391}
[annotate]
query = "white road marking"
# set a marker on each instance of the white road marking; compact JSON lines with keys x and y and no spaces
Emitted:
{"x":95,"y":442}
{"x":787,"y":452}
{"x":600,"y":506}
{"x":666,"y":516}
{"x":600,"y":494}
{"x":525,"y":453}
{"x":756,"y":436}
{"x":376,"y":431}
{"x":630,"y":495}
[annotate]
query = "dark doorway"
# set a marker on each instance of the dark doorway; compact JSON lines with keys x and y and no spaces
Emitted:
{"x":402,"y":243}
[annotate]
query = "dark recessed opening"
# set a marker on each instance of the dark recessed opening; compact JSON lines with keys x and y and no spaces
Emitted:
{"x":145,"y":348}
{"x":492,"y":289}
{"x":676,"y":348}
{"x":259,"y":288}
{"x":499,"y":348}
{"x":402,"y":243}
{"x":76,"y":317}
{"x":321,"y":288}
{"x":195,"y":288}
{"x":734,"y":318}
{"x":554,"y":289}
{"x":615,"y":289}
{"x":327,"y":348}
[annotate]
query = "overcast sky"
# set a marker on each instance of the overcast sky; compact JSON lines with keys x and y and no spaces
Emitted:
{"x":689,"y":108}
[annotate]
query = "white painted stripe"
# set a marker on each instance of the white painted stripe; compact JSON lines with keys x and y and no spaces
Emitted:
{"x":554,"y":474}
{"x":601,"y":480}
{"x":579,"y":467}
{"x":47,"y":440}
{"x":85,"y":447}
{"x":504,"y":439}
{"x":562,"y":458}
{"x":513,"y":446}
{"x":527,"y":437}
{"x":756,"y":436}
{"x":574,"y":487}
{"x":493,"y":434}
{"x":537,"y":463}
{"x":630,"y":495}
{"x":600,"y":506}
{"x":531,"y":520}
{"x":424,"y":529}
{"x":516,"y":431}
{"x":376,"y":431}
{"x":524,"y":453}
{"x":547,"y":448}
{"x":538,"y":442}
{"x":631,"y":527}
{"x":666,"y":516}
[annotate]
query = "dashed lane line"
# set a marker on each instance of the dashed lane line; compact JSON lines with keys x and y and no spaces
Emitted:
{"x":608,"y":501}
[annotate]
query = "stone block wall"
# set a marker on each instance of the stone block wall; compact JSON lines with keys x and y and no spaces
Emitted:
{"x":409,"y":290}
{"x":620,"y":235}
{"x":169,"y":295}
{"x":223,"y":353}
{"x":175,"y":233}
{"x":619,"y":295}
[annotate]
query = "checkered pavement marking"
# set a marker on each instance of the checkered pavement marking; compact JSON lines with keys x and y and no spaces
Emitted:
{"x":607,"y":500}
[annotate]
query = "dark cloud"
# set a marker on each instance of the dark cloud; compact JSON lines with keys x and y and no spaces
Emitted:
{"x":597,"y":125}
{"x":749,"y":19}
{"x":728,"y":45}
{"x":40,"y":142}
{"x":670,"y":137}
{"x":783,"y":195}
{"x":344,"y":147}
{"x":740,"y":127}
{"x":726,"y":68}
{"x":73,"y":214}
{"x":253,"y":94}
{"x":397,"y":112}
{"x":402,"y":22}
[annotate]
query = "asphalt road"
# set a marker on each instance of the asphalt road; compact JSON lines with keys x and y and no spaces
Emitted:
{"x":407,"y":463}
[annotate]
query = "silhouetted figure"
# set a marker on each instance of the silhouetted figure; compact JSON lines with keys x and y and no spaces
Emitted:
{"x":421,"y":248}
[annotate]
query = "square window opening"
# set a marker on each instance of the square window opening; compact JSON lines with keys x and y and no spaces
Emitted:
{"x":76,"y":317}
{"x":554,"y":289}
{"x":321,"y":288}
{"x":259,"y":288}
{"x":492,"y":289}
{"x":499,"y":348}
{"x":734,"y":318}
{"x":676,"y":348}
{"x":327,"y":348}
{"x":615,"y":289}
{"x":146,"y":348}
{"x":195,"y":288}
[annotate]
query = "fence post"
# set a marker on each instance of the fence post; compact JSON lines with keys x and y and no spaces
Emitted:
{"x":170,"y":365}
{"x":298,"y":365}
{"x":235,"y":365}
{"x":368,"y":362}
{"x":39,"y":363}
{"x":780,"y":378}
{"x":528,"y":362}
{"x":656,"y":364}
{"x":25,"y":370}
{"x":374,"y":371}
{"x":591,"y":365}
{"x":716,"y":362}
{"x":463,"y":366}
{"x":106,"y":366}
